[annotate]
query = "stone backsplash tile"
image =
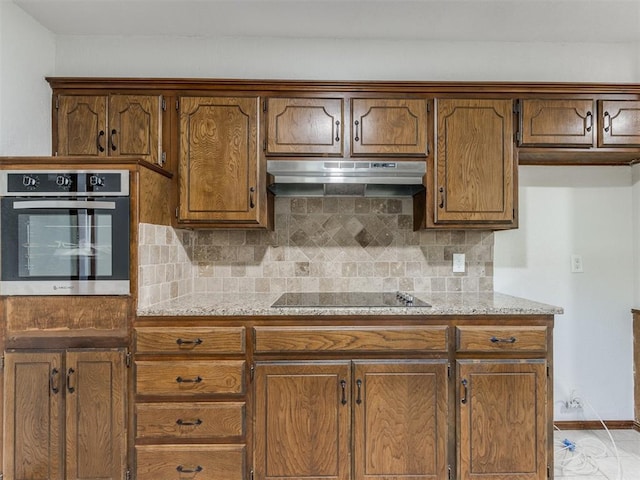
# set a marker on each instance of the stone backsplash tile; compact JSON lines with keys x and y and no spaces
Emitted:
{"x":324,"y":244}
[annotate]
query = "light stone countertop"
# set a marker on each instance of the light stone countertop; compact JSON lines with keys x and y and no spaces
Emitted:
{"x":260,"y":305}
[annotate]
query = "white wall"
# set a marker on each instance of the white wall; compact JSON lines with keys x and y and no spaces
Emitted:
{"x":27,"y":55}
{"x":586,"y":211}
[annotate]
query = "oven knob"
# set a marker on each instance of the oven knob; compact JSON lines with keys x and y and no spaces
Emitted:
{"x":96,"y":181}
{"x":63,"y":181}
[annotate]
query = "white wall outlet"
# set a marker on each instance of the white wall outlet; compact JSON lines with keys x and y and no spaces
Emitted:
{"x":458,"y":263}
{"x":576,"y":264}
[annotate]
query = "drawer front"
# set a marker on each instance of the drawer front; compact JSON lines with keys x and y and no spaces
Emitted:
{"x":204,"y":462}
{"x":190,"y":339}
{"x":190,"y":420}
{"x":350,"y":339}
{"x":501,"y":339}
{"x":189,"y":377}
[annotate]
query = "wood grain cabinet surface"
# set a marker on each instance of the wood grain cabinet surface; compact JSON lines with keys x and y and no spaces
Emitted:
{"x":557,"y":122}
{"x":109,"y":126}
{"x":619,"y":122}
{"x":474,"y":176}
{"x":64,"y":415}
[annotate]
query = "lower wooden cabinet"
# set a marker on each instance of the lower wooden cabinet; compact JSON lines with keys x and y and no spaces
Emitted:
{"x":502,"y":426}
{"x":64,"y":415}
{"x":303,"y":426}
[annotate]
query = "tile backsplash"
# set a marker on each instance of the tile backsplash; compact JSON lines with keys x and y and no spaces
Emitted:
{"x":318,"y":244}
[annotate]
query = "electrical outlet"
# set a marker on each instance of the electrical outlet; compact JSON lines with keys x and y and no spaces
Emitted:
{"x":458,"y":263}
{"x":576,"y":264}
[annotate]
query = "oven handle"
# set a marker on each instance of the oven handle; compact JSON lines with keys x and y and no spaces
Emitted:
{"x":66,"y":204}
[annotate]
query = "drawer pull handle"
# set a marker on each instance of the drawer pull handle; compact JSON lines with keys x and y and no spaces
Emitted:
{"x":182,"y":469}
{"x":607,"y":122}
{"x":197,"y":341}
{"x":198,"y":379}
{"x":52,"y":380}
{"x":189,"y":423}
{"x":357,"y":138}
{"x":359,"y":385}
{"x":343,"y":386}
{"x":589,"y":121}
{"x":503,"y":340}
{"x":464,"y":397}
{"x":70,"y":373}
{"x":98,"y":143}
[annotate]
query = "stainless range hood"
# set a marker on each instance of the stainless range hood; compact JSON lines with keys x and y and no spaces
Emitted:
{"x":319,"y":178}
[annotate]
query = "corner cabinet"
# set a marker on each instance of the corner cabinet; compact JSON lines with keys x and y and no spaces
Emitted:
{"x":473,"y":179}
{"x":221,"y":177}
{"x":109,"y":126}
{"x":64,"y":415}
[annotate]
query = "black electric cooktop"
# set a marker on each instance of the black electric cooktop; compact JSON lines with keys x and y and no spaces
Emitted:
{"x":348,"y":300}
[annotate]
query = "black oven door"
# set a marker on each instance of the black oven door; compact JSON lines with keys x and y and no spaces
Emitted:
{"x":65,"y":246}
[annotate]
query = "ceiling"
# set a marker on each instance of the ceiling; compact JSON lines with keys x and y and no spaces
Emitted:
{"x":437,"y":20}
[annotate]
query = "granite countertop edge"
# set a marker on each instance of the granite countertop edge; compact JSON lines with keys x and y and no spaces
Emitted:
{"x":200,"y":304}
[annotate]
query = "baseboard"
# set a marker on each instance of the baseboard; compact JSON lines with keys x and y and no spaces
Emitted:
{"x":596,"y":425}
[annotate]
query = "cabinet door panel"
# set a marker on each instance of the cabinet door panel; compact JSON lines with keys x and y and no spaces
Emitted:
{"x":400,"y":420}
{"x":134,"y":126}
{"x":304,"y":126}
{"x":33,"y":416}
{"x":219,"y":160}
{"x":389,"y":126}
{"x":82,"y":125}
{"x":502,"y":403}
{"x":620,"y":123}
{"x":303,"y":414}
{"x":96,"y":442}
{"x":568,"y":122}
{"x":475,"y":165}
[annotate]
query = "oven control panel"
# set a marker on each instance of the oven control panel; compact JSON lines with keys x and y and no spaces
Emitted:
{"x":66,"y":183}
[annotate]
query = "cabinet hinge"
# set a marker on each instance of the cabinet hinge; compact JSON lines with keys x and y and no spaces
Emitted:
{"x":163,"y":158}
{"x":164,"y":104}
{"x":252,"y":371}
{"x":251,"y":474}
{"x":516,"y":107}
{"x":127,"y":475}
{"x":428,"y":107}
{"x":264,"y":106}
{"x":177,"y":104}
{"x":449,"y":472}
{"x":57,"y":102}
{"x":127,"y":359}
{"x":518,"y":136}
{"x":176,"y":212}
{"x":548,"y":372}
{"x":448,"y":370}
{"x":1,"y":368}
{"x":264,"y":146}
{"x":548,"y":471}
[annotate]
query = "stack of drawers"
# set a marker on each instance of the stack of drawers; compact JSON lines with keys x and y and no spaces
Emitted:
{"x":190,"y":403}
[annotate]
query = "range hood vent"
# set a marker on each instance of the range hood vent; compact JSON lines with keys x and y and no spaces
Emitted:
{"x":320,"y":178}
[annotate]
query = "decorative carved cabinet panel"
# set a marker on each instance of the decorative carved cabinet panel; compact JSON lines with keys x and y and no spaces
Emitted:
{"x":557,"y":122}
{"x":620,"y":123}
{"x":475,"y":171}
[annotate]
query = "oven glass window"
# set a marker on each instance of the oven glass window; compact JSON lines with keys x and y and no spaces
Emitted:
{"x":65,"y":245}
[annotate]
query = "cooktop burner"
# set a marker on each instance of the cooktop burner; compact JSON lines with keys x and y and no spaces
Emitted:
{"x":348,"y":300}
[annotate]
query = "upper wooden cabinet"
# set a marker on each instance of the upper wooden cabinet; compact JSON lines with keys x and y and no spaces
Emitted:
{"x":109,"y":125}
{"x":305,"y":126}
{"x":221,"y":178}
{"x":474,"y":179}
{"x":619,"y":123}
{"x":557,"y":122}
{"x":389,"y":126}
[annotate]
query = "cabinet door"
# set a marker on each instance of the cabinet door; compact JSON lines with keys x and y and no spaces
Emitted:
{"x":135,"y":126}
{"x":95,"y":410}
{"x":392,"y":126}
{"x":302,"y":421}
{"x":400,"y":420}
{"x":502,"y":421}
{"x":82,"y":125}
{"x":304,"y":126}
{"x":620,"y":123}
{"x":219,"y":166}
{"x":567,"y":122}
{"x":475,"y":164}
{"x":33,"y":416}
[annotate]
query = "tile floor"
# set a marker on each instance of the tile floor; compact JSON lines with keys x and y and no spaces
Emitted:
{"x":594,"y":458}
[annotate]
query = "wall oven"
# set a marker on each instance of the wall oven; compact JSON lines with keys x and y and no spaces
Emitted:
{"x":64,"y":232}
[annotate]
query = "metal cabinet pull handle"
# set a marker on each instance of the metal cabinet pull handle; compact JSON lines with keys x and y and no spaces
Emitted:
{"x":70,"y":373}
{"x":357,"y":139}
{"x":52,"y":376}
{"x":113,"y":143}
{"x":251,"y":202}
{"x":181,"y":342}
{"x":182,"y":469}
{"x":464,"y":397}
{"x":337,"y":130}
{"x":441,"y":190}
{"x":607,"y":121}
{"x":359,"y":385}
{"x":589,"y":120}
{"x":343,"y":385}
{"x":184,"y":423}
{"x":503,"y":340}
{"x":198,"y":379}
{"x":98,"y":144}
